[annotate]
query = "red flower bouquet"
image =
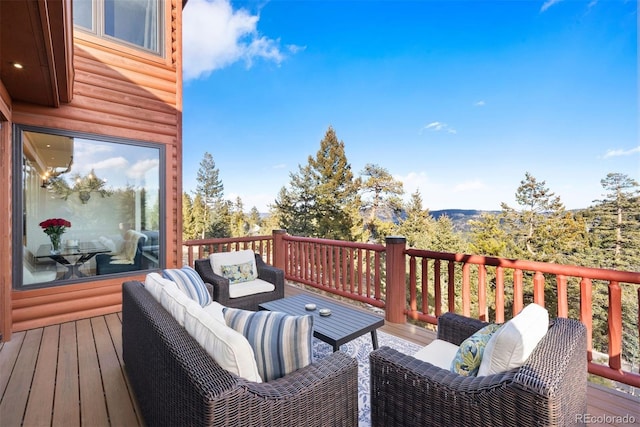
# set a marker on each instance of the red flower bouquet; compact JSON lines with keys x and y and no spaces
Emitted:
{"x":54,"y":227}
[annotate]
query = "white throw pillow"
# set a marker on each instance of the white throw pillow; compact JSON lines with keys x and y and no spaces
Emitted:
{"x":439,"y":353}
{"x":227,"y":347}
{"x":233,"y":258}
{"x":154,"y":283}
{"x":215,"y":310}
{"x":513,"y":343}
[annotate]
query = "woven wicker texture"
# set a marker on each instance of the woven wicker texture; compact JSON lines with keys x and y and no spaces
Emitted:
{"x":549,"y":390}
{"x":176,"y":382}
{"x":250,"y":302}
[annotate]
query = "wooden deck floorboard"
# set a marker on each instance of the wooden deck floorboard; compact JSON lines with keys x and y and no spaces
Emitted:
{"x":73,"y":374}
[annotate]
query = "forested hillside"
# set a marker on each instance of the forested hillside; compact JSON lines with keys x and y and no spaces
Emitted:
{"x":326,"y":199}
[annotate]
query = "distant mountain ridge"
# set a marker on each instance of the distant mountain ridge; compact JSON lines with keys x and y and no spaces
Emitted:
{"x":461,"y":217}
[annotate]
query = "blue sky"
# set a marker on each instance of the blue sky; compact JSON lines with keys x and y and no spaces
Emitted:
{"x":455,"y":98}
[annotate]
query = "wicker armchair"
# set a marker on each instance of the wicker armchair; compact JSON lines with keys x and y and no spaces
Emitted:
{"x":250,"y":302}
{"x":177,"y":383}
{"x":549,"y":390}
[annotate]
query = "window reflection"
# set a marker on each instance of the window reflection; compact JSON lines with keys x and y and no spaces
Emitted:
{"x":108,"y":191}
{"x":134,"y":22}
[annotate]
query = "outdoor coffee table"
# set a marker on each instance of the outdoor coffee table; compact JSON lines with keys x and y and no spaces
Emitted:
{"x":343,"y":325}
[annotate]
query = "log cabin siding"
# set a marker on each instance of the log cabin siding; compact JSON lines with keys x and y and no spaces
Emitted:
{"x":120,"y":95}
{"x":5,"y":213}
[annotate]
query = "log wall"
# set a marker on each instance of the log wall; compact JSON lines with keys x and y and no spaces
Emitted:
{"x":117,"y":92}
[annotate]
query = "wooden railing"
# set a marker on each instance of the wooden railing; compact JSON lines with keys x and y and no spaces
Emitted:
{"x":198,"y":249}
{"x":421,"y":284}
{"x":348,"y":269}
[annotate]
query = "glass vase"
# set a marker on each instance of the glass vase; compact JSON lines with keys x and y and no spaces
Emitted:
{"x":55,"y":243}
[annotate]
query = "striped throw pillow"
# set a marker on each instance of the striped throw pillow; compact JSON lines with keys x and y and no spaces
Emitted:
{"x":189,"y":282}
{"x":281,"y":342}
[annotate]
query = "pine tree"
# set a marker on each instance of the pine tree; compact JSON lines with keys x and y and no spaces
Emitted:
{"x":254,"y":221}
{"x":418,"y":224}
{"x":542,"y":229}
{"x":189,"y":230}
{"x":615,"y":222}
{"x":239,"y":223}
{"x":321,"y":196}
{"x":334,"y":190}
{"x":381,"y":201}
{"x":211,"y":190}
{"x":199,"y":216}
{"x":487,"y":237}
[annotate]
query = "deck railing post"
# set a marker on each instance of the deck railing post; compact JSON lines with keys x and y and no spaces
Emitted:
{"x":279,"y":249}
{"x":396,"y":299}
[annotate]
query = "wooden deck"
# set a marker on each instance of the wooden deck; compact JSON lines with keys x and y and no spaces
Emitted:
{"x":73,"y":375}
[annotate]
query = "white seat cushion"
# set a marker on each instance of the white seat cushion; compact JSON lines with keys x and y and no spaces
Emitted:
{"x":250,"y":288}
{"x":227,"y":347}
{"x":439,"y":353}
{"x":513,"y":343}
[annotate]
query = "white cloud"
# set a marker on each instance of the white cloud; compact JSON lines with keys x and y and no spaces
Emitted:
{"x":140,"y":169}
{"x":469,"y":186}
{"x":618,"y":153}
{"x":547,"y":4}
{"x":480,"y":103}
{"x":215,"y":36}
{"x":413,"y":181}
{"x":439,"y":126}
{"x":106,"y":164}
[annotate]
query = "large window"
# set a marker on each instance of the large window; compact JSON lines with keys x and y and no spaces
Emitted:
{"x":108,"y":190}
{"x":134,"y":22}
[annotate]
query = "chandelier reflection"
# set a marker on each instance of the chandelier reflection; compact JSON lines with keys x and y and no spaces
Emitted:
{"x":82,"y":185}
{"x":52,"y":173}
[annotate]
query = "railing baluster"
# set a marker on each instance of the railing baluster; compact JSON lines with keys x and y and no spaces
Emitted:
{"x":499,"y":294}
{"x":451,"y":287}
{"x":586,"y":315}
{"x":413,"y":305}
{"x":378,"y":277}
{"x":425,"y":286}
{"x":563,"y":302}
{"x":437,"y":289}
{"x":466,"y":289}
{"x":517,"y":291}
{"x":482,"y":293}
{"x":538,"y":288}
{"x":615,"y":325}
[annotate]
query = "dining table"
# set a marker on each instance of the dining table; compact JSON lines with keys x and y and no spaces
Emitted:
{"x":72,"y":257}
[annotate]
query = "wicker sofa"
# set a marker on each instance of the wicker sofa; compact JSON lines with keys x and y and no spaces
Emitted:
{"x":548,"y":390}
{"x":249,"y":302}
{"x":177,"y":383}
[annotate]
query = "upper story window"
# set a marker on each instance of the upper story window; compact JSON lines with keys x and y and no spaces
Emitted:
{"x":132,"y":22}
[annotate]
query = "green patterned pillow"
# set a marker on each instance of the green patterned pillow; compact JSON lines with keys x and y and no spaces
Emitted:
{"x":238,"y":273}
{"x":467,"y":360}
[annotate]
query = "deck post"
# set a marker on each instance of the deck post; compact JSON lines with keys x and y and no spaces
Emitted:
{"x":396,"y":286}
{"x":279,"y":249}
